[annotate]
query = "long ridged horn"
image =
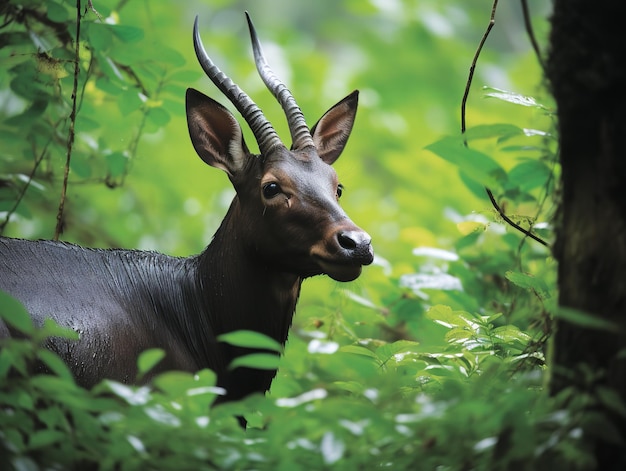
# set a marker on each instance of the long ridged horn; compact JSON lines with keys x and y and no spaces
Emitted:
{"x":266,"y":136}
{"x":300,"y":134}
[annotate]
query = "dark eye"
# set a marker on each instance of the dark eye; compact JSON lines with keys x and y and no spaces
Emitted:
{"x":271,"y":189}
{"x":339,"y":190}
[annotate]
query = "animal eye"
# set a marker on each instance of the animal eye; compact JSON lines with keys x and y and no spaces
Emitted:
{"x":271,"y":189}
{"x":339,"y":190}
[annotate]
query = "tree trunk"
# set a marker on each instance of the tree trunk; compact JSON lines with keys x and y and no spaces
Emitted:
{"x":587,"y":72}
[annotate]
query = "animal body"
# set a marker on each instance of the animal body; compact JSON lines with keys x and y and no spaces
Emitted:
{"x":284,"y":224}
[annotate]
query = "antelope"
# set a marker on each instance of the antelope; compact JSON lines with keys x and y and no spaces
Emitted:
{"x":284,"y":224}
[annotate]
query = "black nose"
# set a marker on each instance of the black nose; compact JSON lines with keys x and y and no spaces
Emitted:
{"x":359,"y":243}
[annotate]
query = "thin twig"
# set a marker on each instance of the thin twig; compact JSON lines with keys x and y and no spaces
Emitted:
{"x":531,"y":34}
{"x":38,"y":159}
{"x":509,"y":221}
{"x":492,"y":22}
{"x":71,"y":132}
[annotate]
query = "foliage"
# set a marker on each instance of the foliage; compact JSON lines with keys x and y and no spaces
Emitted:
{"x":434,"y":358}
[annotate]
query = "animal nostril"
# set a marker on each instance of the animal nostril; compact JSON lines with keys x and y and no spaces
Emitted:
{"x":346,"y":240}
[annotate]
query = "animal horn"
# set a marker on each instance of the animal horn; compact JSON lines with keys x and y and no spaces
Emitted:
{"x":300,"y":134}
{"x":265,"y":135}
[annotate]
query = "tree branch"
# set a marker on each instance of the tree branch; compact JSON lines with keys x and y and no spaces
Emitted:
{"x":492,"y":22}
{"x":71,"y":132}
{"x":531,"y":34}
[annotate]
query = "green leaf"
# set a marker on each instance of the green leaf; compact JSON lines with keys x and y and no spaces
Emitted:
{"x":611,"y":400}
{"x":158,"y":116}
{"x":175,"y":383}
{"x":358,"y":350}
{"x":56,"y":365}
{"x":99,"y":35}
{"x":475,"y":164}
{"x":51,"y":328}
{"x":512,"y":97}
{"x":45,"y":438}
{"x":258,"y":361}
{"x":148,"y":359}
{"x":15,"y":314}
{"x":529,"y":282}
{"x":126,"y":33}
{"x":129,"y":101}
{"x":57,"y":13}
{"x":250,"y":339}
{"x":445,"y":316}
{"x":510,"y":333}
{"x":486,"y":131}
{"x":529,"y":175}
{"x":116,"y":163}
{"x":584,"y":319}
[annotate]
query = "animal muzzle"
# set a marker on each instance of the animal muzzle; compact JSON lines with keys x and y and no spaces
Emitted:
{"x":344,"y":254}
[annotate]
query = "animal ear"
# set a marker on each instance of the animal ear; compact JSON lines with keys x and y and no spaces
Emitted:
{"x":331,"y":132}
{"x":215,"y":133}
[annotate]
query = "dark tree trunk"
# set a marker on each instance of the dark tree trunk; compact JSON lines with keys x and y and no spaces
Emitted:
{"x":587,"y":72}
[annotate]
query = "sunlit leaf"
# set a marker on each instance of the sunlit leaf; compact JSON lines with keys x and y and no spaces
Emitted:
{"x":250,"y":339}
{"x":512,"y":97}
{"x":259,"y":361}
{"x":148,"y":359}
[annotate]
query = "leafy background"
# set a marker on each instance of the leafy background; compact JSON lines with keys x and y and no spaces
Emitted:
{"x":435,"y":356}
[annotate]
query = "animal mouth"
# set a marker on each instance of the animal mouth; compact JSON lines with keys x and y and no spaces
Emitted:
{"x":342,"y":271}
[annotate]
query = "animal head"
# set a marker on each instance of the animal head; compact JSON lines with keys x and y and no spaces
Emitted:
{"x":288,"y":211}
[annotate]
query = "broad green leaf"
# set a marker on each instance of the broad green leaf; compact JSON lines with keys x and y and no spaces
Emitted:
{"x":175,"y":383}
{"x":510,"y":333}
{"x":116,"y":163}
{"x":57,"y":13}
{"x":126,"y":33}
{"x":359,"y":350}
{"x":15,"y":314}
{"x":251,"y":339}
{"x":81,"y":165}
{"x":258,"y":361}
{"x":149,"y":359}
{"x":158,"y":116}
{"x":129,"y":101}
{"x":99,"y":35}
{"x":444,"y":315}
{"x":529,"y":282}
{"x":56,"y":365}
{"x":45,"y":438}
{"x":51,"y":328}
{"x":529,"y":175}
{"x":131,"y":394}
{"x":485,"y":131}
{"x":475,"y":164}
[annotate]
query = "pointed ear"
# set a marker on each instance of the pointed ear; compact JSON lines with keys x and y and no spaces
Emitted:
{"x":331,"y":132}
{"x":215,"y":133}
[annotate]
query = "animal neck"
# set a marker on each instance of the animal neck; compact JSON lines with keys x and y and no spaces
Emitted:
{"x":244,"y":291}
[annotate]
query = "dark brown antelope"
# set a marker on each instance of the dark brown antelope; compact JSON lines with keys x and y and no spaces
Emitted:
{"x":284,"y":224}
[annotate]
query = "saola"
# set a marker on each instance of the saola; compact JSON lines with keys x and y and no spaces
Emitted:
{"x":284,"y":224}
